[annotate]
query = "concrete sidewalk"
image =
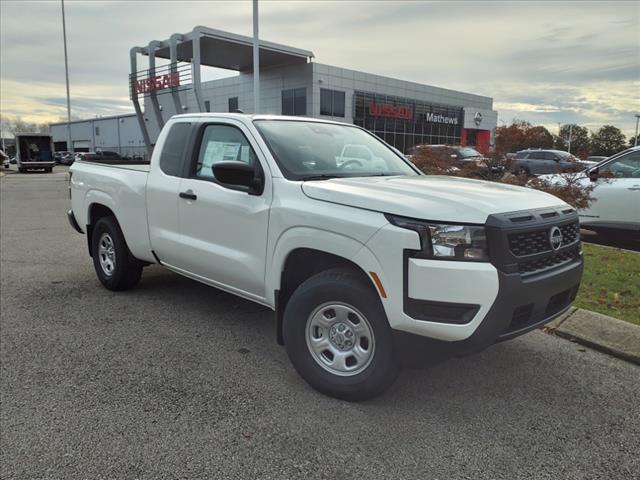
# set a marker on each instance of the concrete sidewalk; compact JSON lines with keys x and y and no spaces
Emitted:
{"x":601,"y":332}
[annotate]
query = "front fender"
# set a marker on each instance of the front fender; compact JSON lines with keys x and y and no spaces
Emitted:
{"x":316,"y":239}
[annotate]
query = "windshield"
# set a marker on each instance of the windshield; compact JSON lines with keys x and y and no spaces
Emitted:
{"x":567,"y":156}
{"x":468,"y":152}
{"x":310,"y":150}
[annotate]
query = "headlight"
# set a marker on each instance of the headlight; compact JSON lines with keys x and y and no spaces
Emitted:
{"x":447,"y":242}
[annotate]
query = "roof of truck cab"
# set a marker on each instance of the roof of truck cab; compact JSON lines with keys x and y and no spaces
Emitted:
{"x":249,"y":117}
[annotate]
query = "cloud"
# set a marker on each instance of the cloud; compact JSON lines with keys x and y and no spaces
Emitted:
{"x":542,"y":61}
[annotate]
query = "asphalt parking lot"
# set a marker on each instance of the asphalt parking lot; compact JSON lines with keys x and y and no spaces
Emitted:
{"x":178,"y":380}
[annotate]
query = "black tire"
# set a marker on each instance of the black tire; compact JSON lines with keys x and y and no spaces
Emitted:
{"x":48,"y":170}
{"x":341,"y":286}
{"x":127,"y":270}
{"x":22,"y":170}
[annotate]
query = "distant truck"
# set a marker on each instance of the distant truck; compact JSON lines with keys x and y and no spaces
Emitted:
{"x":34,"y":152}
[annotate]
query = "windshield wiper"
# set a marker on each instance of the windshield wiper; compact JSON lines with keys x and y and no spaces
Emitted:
{"x":319,"y":177}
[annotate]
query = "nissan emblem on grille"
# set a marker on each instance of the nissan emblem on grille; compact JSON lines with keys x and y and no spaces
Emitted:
{"x":555,"y":238}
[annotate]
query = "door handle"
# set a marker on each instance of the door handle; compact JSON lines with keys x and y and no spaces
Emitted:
{"x":635,"y":187}
{"x":189,"y":195}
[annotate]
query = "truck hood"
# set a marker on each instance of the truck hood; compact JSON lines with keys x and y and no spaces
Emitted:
{"x":439,"y":198}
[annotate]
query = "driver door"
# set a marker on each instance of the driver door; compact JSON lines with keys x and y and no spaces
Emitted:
{"x":224,"y":229}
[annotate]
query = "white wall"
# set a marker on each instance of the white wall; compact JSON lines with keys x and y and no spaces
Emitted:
{"x":121,"y":134}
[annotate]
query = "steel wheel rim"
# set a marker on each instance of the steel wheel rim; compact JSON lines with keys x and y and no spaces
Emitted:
{"x":340,"y":339}
{"x":107,"y":254}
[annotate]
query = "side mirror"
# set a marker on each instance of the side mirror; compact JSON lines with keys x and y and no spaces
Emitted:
{"x":593,"y":174}
{"x":240,"y":174}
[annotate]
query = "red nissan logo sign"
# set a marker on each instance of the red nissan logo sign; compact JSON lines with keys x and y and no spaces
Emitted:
{"x":391,"y":111}
{"x":158,"y":82}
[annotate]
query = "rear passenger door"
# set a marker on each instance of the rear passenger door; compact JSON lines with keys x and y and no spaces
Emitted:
{"x":224,"y":228}
{"x":538,"y":164}
{"x":162,"y":193}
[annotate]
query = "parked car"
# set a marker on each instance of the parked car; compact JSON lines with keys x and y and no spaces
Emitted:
{"x":81,"y":155}
{"x":5,"y":159}
{"x":541,"y":162}
{"x":58,"y":156}
{"x":348,"y":255}
{"x":459,"y":156}
{"x":456,"y":153}
{"x":67,"y":158}
{"x":616,"y":193}
{"x":109,"y":155}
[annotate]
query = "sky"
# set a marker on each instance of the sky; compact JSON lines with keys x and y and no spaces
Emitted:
{"x":543,"y":62}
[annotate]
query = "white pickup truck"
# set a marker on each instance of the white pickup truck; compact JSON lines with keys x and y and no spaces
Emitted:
{"x":351,"y":255}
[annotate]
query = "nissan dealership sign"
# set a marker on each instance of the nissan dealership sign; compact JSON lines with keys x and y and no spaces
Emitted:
{"x":477,"y":119}
{"x":406,"y":113}
{"x":391,"y":111}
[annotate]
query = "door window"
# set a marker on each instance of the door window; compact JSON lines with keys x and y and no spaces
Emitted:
{"x":222,"y":143}
{"x":173,"y":149}
{"x":627,"y":166}
{"x":537,"y":156}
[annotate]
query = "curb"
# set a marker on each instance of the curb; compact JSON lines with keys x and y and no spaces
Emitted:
{"x":600,"y":332}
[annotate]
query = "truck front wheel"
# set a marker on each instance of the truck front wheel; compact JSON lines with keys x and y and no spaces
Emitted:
{"x":116,"y":268}
{"x":338,"y":338}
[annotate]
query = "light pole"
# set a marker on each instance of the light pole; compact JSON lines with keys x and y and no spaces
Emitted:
{"x":569,"y":143}
{"x":635,"y":143}
{"x":256,"y":60}
{"x":66,"y":75}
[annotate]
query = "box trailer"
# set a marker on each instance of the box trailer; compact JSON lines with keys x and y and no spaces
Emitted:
{"x":34,"y":152}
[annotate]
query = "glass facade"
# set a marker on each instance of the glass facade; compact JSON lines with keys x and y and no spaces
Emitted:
{"x":294,"y":101}
{"x":331,"y":102}
{"x":404,"y":122}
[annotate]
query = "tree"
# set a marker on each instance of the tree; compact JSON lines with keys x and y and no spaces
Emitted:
{"x":13,"y":125}
{"x":521,"y":135}
{"x":607,"y":141}
{"x":539,"y":137}
{"x":580,"y":142}
{"x":632,"y":141}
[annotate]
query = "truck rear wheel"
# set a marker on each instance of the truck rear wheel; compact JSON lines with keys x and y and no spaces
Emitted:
{"x":116,"y":268}
{"x":338,"y":338}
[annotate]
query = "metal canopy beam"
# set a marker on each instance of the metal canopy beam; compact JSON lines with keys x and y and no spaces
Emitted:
{"x":232,"y":52}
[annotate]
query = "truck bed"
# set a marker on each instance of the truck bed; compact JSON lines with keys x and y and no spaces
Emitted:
{"x":121,"y":188}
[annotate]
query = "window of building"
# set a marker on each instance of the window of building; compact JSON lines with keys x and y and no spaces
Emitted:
{"x":233,"y":104}
{"x":331,"y":102}
{"x":207,"y":106}
{"x":222,"y":143}
{"x":97,"y":131}
{"x":405,"y":122}
{"x":294,"y":101}
{"x":173,"y":149}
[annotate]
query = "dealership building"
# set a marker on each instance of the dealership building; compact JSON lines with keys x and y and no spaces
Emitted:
{"x":400,"y":112}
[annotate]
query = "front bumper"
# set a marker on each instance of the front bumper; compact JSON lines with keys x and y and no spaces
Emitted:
{"x":525,"y":303}
{"x":497,"y":305}
{"x":37,"y":165}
